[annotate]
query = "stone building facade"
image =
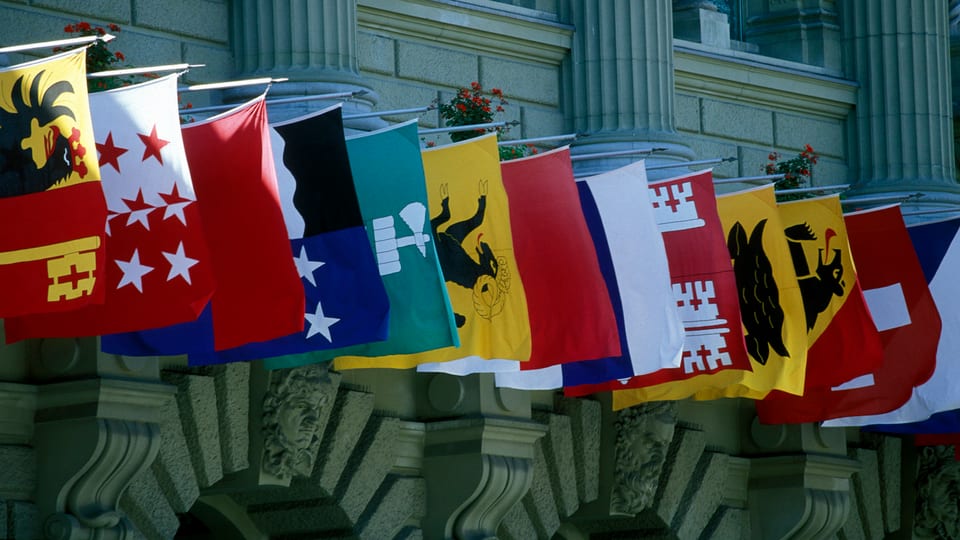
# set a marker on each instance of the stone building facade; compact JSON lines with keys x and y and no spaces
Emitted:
{"x":101,"y":446}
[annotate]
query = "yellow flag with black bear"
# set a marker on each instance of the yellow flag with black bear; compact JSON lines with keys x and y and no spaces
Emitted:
{"x":771,"y":309}
{"x":470,"y":221}
{"x":50,"y":192}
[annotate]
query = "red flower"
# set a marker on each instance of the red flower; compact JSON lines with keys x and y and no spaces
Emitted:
{"x":475,"y":85}
{"x":499,"y":108}
{"x":461,"y":107}
{"x":113,"y":27}
{"x":83,"y":26}
{"x":497,"y":92}
{"x":119,"y":55}
{"x":68,"y":28}
{"x":808,"y":148}
{"x":772,"y":156}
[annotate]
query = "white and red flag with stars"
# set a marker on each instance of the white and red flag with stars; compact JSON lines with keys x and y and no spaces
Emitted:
{"x":158,"y":270}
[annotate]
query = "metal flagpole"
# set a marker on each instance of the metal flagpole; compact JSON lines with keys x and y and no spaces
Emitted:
{"x":689,"y":163}
{"x":541,"y":139}
{"x":616,"y":153}
{"x":375,"y":114}
{"x":142,"y":70}
{"x":749,"y":179}
{"x":881,"y":199}
{"x":337,"y":95}
{"x":929,"y":212}
{"x":454,"y":129}
{"x":834,"y":187}
{"x":229,"y":84}
{"x":84,"y":40}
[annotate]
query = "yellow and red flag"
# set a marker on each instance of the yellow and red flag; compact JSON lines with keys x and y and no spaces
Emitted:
{"x":771,"y":309}
{"x":52,"y":208}
{"x":470,"y":221}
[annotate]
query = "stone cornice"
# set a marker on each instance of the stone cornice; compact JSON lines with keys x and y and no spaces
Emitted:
{"x":761,"y":81}
{"x":103,"y":398}
{"x":497,"y":436}
{"x":495,"y":30}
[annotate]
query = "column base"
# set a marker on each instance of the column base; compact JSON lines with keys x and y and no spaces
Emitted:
{"x":674,"y":151}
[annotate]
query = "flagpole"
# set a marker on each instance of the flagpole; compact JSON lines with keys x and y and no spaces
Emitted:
{"x":928,"y":212}
{"x":690,"y":163}
{"x":376,"y":114}
{"x":142,"y":70}
{"x":337,"y":95}
{"x":67,"y":42}
{"x":881,"y":199}
{"x":834,"y":187}
{"x":616,"y":153}
{"x":230,"y":84}
{"x":749,"y":179}
{"x":548,"y":138}
{"x":472,"y":127}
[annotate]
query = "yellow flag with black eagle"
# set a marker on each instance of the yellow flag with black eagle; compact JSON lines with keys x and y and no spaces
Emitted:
{"x":771,"y":309}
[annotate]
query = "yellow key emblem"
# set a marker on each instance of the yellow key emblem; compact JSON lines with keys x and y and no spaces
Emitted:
{"x":70,"y":266}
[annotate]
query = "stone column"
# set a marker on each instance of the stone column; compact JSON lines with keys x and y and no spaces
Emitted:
{"x":619,"y":82}
{"x":806,"y":31}
{"x":314,"y":44}
{"x":900,"y":55}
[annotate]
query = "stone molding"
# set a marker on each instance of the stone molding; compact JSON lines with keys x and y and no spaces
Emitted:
{"x":513,"y":33}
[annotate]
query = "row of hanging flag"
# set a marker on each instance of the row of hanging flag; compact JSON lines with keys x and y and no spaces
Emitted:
{"x":233,"y":239}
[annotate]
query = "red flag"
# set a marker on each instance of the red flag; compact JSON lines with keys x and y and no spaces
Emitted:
{"x":558,"y":264}
{"x":259,"y":295}
{"x":52,"y":209}
{"x":703,"y":284}
{"x":158,"y":270}
{"x":905,"y":313}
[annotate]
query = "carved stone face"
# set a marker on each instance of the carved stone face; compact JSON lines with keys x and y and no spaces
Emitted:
{"x":291,"y":413}
{"x":938,"y":490}
{"x":643,"y":437}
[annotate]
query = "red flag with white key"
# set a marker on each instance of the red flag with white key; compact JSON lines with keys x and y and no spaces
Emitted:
{"x":158,"y":271}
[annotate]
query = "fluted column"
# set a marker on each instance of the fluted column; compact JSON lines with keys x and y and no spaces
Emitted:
{"x":900,"y":56}
{"x":620,"y":81}
{"x":314,"y":44}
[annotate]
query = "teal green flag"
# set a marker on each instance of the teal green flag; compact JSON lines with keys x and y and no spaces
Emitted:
{"x":388,"y":175}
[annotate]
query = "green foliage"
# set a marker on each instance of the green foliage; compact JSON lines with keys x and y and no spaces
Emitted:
{"x":797,"y":171}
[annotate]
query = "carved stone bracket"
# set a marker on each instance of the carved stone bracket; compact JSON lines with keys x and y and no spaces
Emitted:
{"x":93,"y":437}
{"x":476,"y":470}
{"x":803,"y":496}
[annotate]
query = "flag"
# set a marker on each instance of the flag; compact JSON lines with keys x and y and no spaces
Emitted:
{"x":345,"y":300}
{"x":938,"y":249}
{"x":158,"y":269}
{"x":905,"y":314}
{"x":771,"y":309}
{"x":388,"y":174}
{"x":470,"y":222}
{"x":50,"y":192}
{"x":842,"y":340}
{"x":258,"y":294}
{"x":702,"y":280}
{"x":619,"y":215}
{"x":550,"y":233}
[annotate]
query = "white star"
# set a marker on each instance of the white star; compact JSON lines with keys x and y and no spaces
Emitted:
{"x":176,"y":209}
{"x":305,"y":266}
{"x":107,"y":226}
{"x":319,"y":324}
{"x":142,"y":216}
{"x":180,"y":264}
{"x":133,"y":271}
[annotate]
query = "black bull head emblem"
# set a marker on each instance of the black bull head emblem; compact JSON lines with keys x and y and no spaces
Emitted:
{"x":819,"y":287}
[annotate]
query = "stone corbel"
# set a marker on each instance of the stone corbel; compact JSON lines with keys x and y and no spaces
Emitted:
{"x":476,"y":470}
{"x":93,"y":437}
{"x":799,"y":480}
